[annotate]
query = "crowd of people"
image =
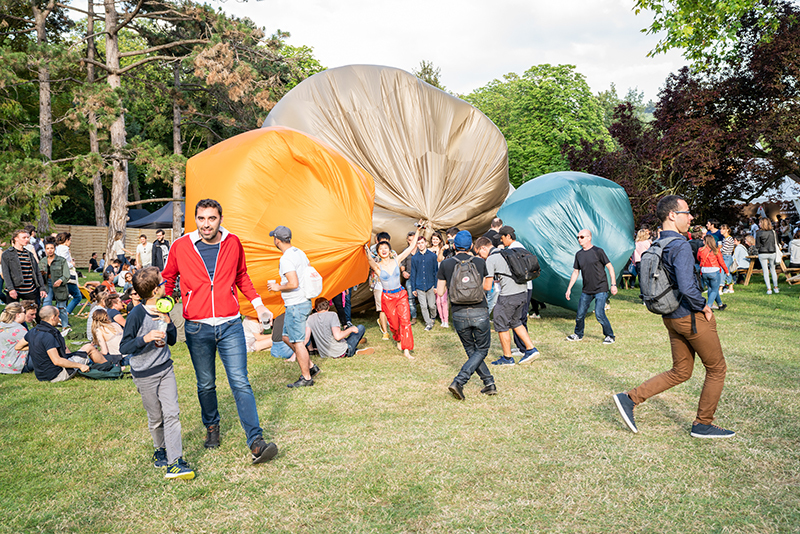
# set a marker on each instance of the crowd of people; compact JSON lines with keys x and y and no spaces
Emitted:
{"x":723,"y":253}
{"x":471,"y":286}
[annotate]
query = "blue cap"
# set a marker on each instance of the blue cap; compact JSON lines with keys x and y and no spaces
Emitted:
{"x":463,"y":240}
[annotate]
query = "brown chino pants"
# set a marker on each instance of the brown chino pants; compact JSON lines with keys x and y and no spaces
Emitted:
{"x":705,"y":343}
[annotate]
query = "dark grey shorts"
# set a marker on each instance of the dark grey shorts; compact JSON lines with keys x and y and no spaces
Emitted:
{"x":508,"y":311}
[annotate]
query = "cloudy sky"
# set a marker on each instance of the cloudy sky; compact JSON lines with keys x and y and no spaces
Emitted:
{"x":474,"y":41}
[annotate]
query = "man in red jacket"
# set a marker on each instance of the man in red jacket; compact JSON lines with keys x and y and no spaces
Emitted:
{"x":211,"y":264}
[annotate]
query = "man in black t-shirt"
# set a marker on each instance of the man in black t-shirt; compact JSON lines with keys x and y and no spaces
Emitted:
{"x":48,"y":351}
{"x":591,"y":263}
{"x":160,"y":250}
{"x":493,"y":234}
{"x":470,"y":321}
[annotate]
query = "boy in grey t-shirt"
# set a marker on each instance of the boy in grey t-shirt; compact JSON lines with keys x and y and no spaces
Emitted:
{"x":330,"y":339}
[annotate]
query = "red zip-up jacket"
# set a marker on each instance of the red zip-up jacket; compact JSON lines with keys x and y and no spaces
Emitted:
{"x":203,"y":299}
{"x":709,"y":259}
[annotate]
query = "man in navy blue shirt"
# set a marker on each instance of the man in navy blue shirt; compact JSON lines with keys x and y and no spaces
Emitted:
{"x":423,"y":267}
{"x":692,"y":329}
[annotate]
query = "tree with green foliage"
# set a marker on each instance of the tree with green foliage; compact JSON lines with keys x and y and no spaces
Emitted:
{"x":546,"y":109}
{"x":706,"y":31}
{"x":609,"y":101}
{"x":31,"y":50}
{"x":164,"y":79}
{"x":719,"y":137}
{"x":429,"y":73}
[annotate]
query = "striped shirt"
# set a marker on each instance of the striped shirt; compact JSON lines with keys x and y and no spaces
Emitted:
{"x":28,"y":284}
{"x":727,"y":246}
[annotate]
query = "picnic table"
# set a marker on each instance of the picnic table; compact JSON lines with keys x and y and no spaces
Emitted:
{"x":779,"y":267}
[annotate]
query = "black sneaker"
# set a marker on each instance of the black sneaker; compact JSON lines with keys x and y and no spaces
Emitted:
{"x":160,"y":458}
{"x":457,"y":390}
{"x":625,"y":406}
{"x":263,"y":451}
{"x":491,"y":389}
{"x":301,"y":382}
{"x":212,"y":437}
{"x":710,"y":431}
{"x":315,"y":370}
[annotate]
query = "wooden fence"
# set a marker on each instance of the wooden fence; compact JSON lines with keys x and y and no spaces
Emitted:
{"x":88,"y":239}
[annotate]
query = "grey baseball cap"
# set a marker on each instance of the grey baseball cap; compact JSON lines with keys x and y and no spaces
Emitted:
{"x":282,"y":233}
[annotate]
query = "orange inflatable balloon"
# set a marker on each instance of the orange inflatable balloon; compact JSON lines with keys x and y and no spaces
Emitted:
{"x":279,"y":176}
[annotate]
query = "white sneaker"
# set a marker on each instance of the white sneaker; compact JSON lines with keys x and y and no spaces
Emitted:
{"x":66,"y":331}
{"x":608,"y":340}
{"x":534,"y":316}
{"x":769,"y":292}
{"x":445,"y":325}
{"x":516,"y":352}
{"x":776,"y":290}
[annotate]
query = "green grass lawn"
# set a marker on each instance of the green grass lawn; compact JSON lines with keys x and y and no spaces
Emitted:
{"x":379,"y":445}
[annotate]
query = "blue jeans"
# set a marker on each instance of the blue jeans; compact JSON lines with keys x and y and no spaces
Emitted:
{"x":353,"y":339}
{"x":204,"y":341}
{"x":729,"y":263}
{"x":75,"y":293}
{"x":711,"y":281}
{"x":343,"y":309}
{"x":474,"y":329}
{"x":281,"y":350}
{"x":491,"y":297}
{"x":61,"y":305}
{"x":412,"y":300}
{"x":599,"y":313}
{"x":518,"y":340}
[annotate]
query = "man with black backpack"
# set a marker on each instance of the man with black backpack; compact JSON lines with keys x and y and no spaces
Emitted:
{"x":465,"y":279}
{"x":689,"y":321}
{"x":513,"y":267}
{"x":591,"y":263}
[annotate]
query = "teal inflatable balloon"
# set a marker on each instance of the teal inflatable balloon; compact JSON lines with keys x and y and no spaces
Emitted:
{"x":548,"y":212}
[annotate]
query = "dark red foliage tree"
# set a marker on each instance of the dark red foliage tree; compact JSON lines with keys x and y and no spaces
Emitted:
{"x":718,"y":137}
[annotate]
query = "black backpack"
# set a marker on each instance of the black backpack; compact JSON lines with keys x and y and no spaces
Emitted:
{"x":656,"y":290}
{"x":523,"y":264}
{"x":466,"y":285}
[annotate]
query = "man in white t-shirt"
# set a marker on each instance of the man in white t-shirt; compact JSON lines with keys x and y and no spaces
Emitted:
{"x":291,"y":269}
{"x":329,"y":338}
{"x":144,"y":252}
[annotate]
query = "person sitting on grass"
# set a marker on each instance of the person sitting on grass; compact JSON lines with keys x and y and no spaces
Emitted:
{"x":106,"y":336}
{"x":12,"y":330}
{"x":254,"y":336}
{"x":146,"y":337}
{"x":31,"y":310}
{"x":52,"y":362}
{"x":96,"y":297}
{"x":113,"y":305}
{"x":108,"y":281}
{"x":330,"y":339}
